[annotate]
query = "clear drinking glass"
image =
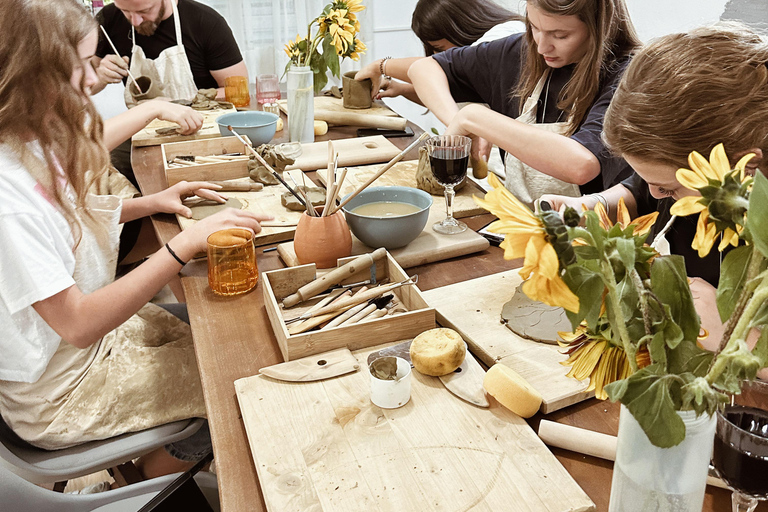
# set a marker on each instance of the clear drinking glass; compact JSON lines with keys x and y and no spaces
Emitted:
{"x":268,"y":92}
{"x":232,"y":266}
{"x":448,"y":158}
{"x":741,"y":451}
{"x":236,"y":91}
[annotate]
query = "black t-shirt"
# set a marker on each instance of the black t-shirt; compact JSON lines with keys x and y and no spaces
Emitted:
{"x":681,"y":234}
{"x":489,"y":72}
{"x":207,"y":39}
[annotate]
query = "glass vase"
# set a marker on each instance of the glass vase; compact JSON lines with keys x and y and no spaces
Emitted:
{"x":646,"y":477}
{"x":301,"y":104}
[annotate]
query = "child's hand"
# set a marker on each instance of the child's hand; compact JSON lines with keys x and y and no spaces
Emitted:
{"x":193,"y":240}
{"x":170,"y":199}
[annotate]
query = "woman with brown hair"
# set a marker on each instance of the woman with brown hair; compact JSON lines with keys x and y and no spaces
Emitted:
{"x":547,"y":91}
{"x":84,"y":357}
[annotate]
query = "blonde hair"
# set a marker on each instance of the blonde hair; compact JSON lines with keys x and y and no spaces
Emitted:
{"x":686,"y":92}
{"x":38,"y":55}
{"x":611,"y":37}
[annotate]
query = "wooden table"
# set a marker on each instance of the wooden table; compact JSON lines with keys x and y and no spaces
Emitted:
{"x":233,"y":339}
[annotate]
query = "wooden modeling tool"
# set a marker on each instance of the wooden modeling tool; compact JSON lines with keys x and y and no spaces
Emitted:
{"x":120,"y":57}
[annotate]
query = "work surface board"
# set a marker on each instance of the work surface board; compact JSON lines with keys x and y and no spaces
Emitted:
{"x":404,"y":174}
{"x":149,"y":137}
{"x":473,"y":308}
{"x":333,"y":104}
{"x":265,"y":202}
{"x":428,"y":247}
{"x":323,"y":446}
{"x":354,"y":151}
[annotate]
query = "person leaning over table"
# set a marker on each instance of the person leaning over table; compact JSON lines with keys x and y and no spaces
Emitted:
{"x":84,"y":357}
{"x":441,"y":25}
{"x":547,"y":91}
{"x":685,"y":92}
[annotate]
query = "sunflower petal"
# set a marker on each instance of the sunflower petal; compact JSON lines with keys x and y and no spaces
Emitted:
{"x":718,"y":160}
{"x":645,"y":223}
{"x":691,"y":179}
{"x":701,"y":166}
{"x":687,"y":205}
{"x":705,"y":235}
{"x":622,"y":214}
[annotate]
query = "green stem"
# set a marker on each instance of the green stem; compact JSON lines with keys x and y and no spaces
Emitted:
{"x":755,"y":262}
{"x":644,"y":306}
{"x":582,"y":233}
{"x":621,"y":324}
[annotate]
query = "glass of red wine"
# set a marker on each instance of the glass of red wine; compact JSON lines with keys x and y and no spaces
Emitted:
{"x":741,"y":453}
{"x":448,"y":158}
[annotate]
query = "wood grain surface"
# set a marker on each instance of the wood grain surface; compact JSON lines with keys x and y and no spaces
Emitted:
{"x":149,"y":137}
{"x":331,"y":104}
{"x":357,"y":151}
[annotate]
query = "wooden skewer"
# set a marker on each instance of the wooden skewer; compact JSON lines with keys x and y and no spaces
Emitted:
{"x":330,"y":177}
{"x":118,"y":55}
{"x":336,"y":191}
{"x":332,"y":188}
{"x":381,"y":171}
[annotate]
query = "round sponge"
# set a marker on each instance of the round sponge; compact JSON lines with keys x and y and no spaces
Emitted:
{"x":437,"y":352}
{"x":512,"y":391}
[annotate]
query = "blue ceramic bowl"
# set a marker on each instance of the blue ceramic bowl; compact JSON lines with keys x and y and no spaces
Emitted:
{"x":258,"y":126}
{"x":389,"y":232}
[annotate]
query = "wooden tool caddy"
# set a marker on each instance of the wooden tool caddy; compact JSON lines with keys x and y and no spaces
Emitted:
{"x":205,"y":171}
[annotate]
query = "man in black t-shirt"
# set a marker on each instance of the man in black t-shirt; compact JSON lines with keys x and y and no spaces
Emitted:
{"x":208,"y":42}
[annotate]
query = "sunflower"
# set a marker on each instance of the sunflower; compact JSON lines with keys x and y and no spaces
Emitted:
{"x":596,"y":358}
{"x":351,"y":5}
{"x":292,"y":48}
{"x":358,"y":48}
{"x":526,"y":237}
{"x":721,"y":205}
{"x":642,"y":224}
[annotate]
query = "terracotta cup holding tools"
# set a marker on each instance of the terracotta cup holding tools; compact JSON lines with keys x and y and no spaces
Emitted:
{"x":322,"y":240}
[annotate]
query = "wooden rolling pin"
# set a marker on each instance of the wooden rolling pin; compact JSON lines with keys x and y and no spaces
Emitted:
{"x":589,"y":442}
{"x":228,"y":186}
{"x":333,"y":277}
{"x":368,"y":121}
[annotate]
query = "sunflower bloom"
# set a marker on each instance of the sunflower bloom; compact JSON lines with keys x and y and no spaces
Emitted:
{"x":354,"y":5}
{"x":642,"y":224}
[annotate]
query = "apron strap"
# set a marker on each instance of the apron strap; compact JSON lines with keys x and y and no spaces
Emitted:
{"x":176,"y":22}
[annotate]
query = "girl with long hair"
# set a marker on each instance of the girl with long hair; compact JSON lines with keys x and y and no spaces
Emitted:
{"x":84,"y":357}
{"x":546,"y":91}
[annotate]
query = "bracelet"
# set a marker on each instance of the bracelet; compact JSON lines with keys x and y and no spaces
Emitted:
{"x":382,"y":70}
{"x":174,"y":255}
{"x":601,"y":199}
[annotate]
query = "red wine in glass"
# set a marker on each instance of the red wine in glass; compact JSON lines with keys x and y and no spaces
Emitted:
{"x":447,"y":168}
{"x":448,"y":158}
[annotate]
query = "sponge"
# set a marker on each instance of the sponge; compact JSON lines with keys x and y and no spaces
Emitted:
{"x":512,"y":391}
{"x":437,"y":352}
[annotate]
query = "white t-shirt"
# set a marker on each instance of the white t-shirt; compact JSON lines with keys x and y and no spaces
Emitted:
{"x":501,"y":30}
{"x":36,"y":262}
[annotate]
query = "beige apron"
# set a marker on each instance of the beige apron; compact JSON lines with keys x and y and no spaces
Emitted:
{"x":525,"y":182}
{"x":142,"y":374}
{"x":170,"y":72}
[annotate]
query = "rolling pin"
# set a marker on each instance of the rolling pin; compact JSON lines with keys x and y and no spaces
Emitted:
{"x":589,"y":442}
{"x":368,"y":121}
{"x":227,"y":186}
{"x":333,"y":277}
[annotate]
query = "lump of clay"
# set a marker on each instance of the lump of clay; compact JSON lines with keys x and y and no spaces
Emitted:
{"x":426,"y":181}
{"x":260,"y":174}
{"x":316,"y":197}
{"x":205,"y":99}
{"x":275,"y":157}
{"x":208,"y":208}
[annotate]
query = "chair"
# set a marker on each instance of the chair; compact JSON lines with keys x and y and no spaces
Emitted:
{"x":44,"y":466}
{"x":19,"y":495}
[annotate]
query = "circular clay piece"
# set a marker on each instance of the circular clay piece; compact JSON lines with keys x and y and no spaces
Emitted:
{"x":202,"y":211}
{"x":534,"y":320}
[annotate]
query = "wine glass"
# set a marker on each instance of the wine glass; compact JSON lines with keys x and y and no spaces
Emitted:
{"x":268,"y":92}
{"x":741,"y":454}
{"x":448,"y":158}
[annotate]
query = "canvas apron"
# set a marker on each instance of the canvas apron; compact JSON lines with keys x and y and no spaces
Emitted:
{"x":525,"y":182}
{"x":142,"y":374}
{"x":170,"y":72}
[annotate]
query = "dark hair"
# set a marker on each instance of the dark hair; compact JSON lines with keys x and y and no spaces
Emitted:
{"x":462,"y":22}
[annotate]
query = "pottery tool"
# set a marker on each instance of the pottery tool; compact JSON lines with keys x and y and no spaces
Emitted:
{"x":384,"y":169}
{"x":334,"y":277}
{"x":310,"y":207}
{"x":373,"y":305}
{"x":373,"y":316}
{"x":318,"y":367}
{"x":265,"y":164}
{"x":357,"y":299}
{"x":330,"y":176}
{"x":332,"y":297}
{"x":231,"y":186}
{"x":118,"y":56}
{"x":346,"y":315}
{"x":331,"y":205}
{"x":310,"y":324}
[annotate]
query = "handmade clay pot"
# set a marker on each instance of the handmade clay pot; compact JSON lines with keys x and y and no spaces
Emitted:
{"x":356,"y":94}
{"x":322,"y":240}
{"x":148,"y":86}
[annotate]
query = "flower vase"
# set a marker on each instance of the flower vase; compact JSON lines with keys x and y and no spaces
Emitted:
{"x":646,"y":477}
{"x":301,"y":104}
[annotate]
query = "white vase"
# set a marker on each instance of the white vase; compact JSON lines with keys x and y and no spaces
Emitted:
{"x":301,"y":104}
{"x":649,"y":478}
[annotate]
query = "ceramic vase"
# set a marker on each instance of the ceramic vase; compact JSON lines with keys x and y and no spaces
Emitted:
{"x":322,"y":240}
{"x":301,"y":104}
{"x":646,"y":477}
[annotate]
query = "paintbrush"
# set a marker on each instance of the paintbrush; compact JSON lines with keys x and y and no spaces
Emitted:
{"x":118,"y":55}
{"x":265,"y":164}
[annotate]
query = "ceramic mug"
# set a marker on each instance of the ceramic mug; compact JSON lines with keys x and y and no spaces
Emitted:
{"x":356,"y":94}
{"x":322,"y":240}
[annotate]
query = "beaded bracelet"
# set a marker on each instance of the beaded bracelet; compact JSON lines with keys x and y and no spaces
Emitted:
{"x":382,"y":70}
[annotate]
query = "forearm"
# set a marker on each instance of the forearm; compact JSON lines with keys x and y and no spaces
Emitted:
{"x":123,"y":126}
{"x":410,"y":93}
{"x":137,"y":208}
{"x":220,"y":75}
{"x":397,"y":68}
{"x":431,"y":85}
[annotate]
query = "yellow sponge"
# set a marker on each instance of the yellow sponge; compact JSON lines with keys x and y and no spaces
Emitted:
{"x":512,"y":391}
{"x":437,"y":352}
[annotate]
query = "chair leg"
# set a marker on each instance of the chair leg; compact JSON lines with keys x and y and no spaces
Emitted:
{"x":125,"y":474}
{"x":59,"y":486}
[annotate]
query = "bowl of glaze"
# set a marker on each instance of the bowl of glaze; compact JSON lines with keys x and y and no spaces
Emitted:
{"x":389,"y":217}
{"x":258,"y":126}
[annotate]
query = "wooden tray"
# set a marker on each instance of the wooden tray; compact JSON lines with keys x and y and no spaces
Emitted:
{"x":473,"y":308}
{"x":278,"y":284}
{"x":332,"y":104}
{"x":404,"y":174}
{"x":149,"y":137}
{"x":426,"y":248}
{"x":355,"y":151}
{"x":205,"y":172}
{"x":323,"y":446}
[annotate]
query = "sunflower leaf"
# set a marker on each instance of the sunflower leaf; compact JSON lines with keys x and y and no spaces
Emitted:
{"x":689,"y":358}
{"x":758,"y":212}
{"x":588,"y":286}
{"x":670,"y":284}
{"x":733,"y":278}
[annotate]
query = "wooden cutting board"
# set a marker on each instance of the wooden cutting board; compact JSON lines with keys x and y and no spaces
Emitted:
{"x":332,"y":104}
{"x":473,"y":308}
{"x":267,"y":202}
{"x":404,"y":174}
{"x":323,"y":446}
{"x":149,"y":137}
{"x":426,"y":248}
{"x":355,"y":151}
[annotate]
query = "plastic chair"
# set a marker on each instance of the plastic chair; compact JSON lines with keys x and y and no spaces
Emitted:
{"x":44,"y":466}
{"x":19,"y":495}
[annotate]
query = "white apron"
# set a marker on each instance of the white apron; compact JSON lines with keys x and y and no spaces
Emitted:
{"x":525,"y":182}
{"x":170,"y":72}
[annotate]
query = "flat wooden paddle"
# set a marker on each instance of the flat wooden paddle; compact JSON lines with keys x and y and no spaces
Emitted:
{"x":312,"y":368}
